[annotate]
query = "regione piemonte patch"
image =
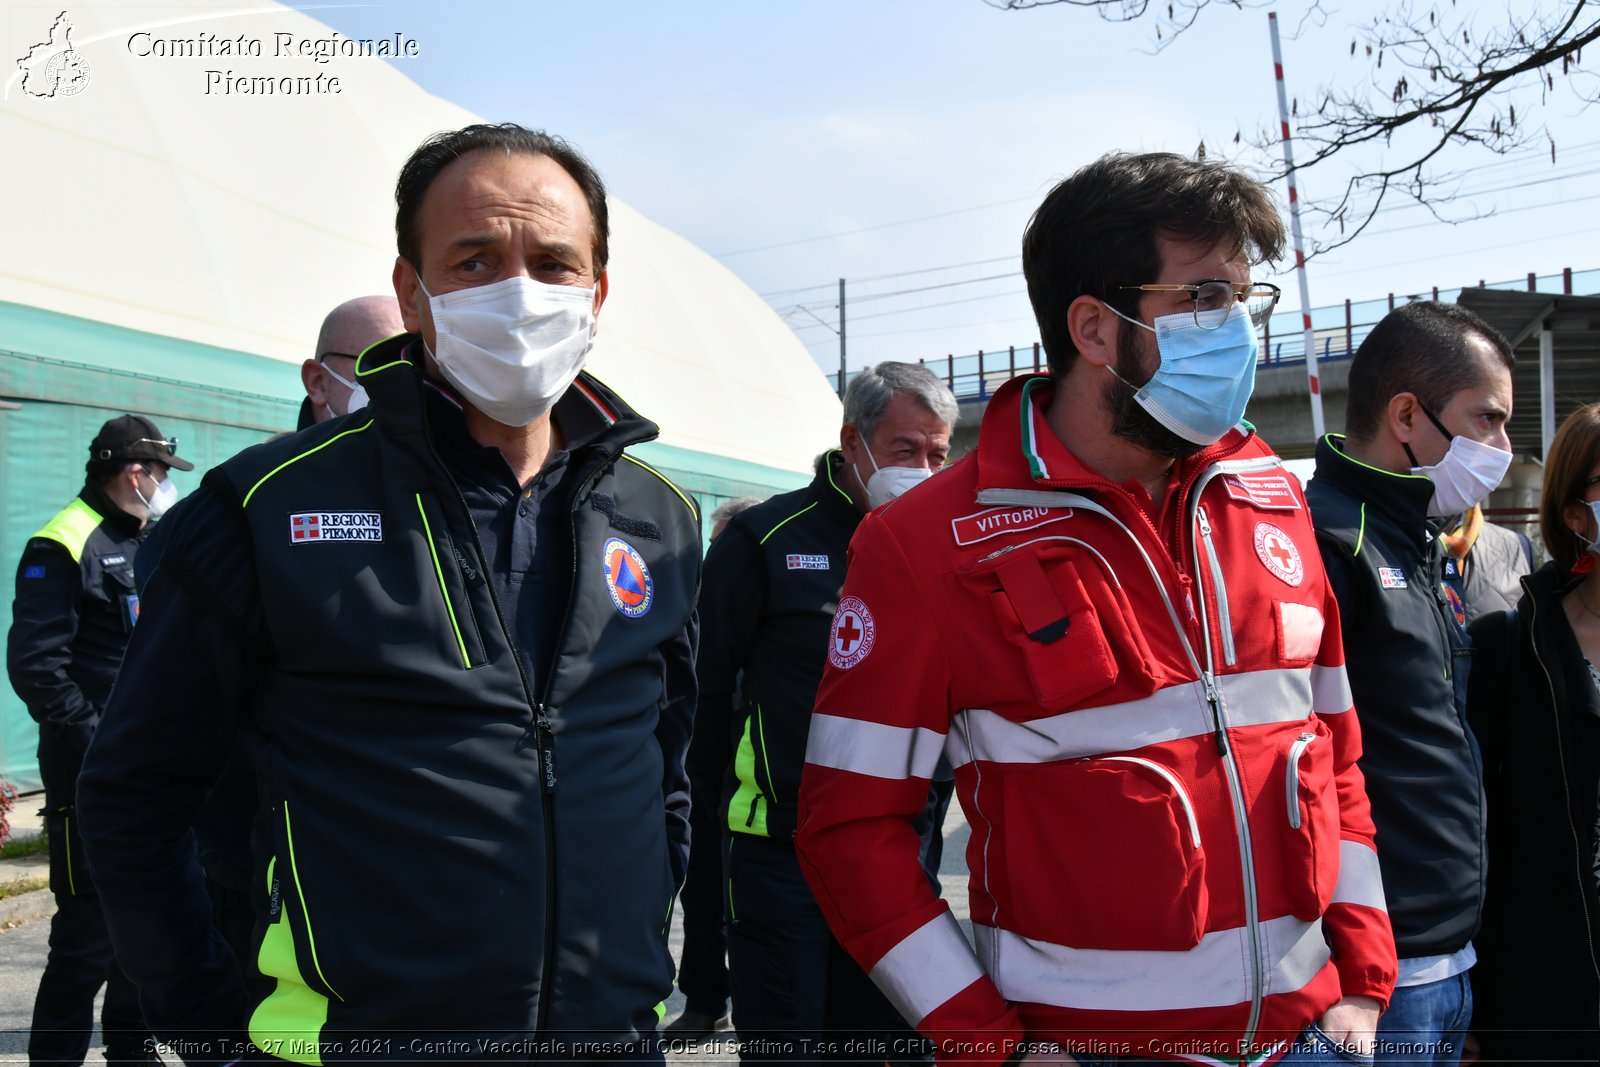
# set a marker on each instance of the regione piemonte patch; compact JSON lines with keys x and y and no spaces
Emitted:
{"x":627,"y":578}
{"x":315,"y":527}
{"x":1277,"y":550}
{"x":853,"y":633}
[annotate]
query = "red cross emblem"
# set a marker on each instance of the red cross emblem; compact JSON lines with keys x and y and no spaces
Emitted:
{"x":1278,"y":552}
{"x":853,"y":633}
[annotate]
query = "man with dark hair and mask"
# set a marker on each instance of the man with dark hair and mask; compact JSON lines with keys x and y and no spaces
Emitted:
{"x":454,"y":633}
{"x":1430,"y":395}
{"x":75,"y":608}
{"x":771,"y":586}
{"x":1112,"y":620}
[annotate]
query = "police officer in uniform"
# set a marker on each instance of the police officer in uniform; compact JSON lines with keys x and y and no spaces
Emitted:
{"x":75,"y":608}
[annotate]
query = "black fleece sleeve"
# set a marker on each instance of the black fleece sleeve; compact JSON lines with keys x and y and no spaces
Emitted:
{"x":165,"y":737}
{"x":44,"y":620}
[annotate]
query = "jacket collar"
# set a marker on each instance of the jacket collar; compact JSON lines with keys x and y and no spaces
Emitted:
{"x":588,"y":411}
{"x":1403,"y":498}
{"x":827,"y":486}
{"x":1016,"y":446}
{"x":120,"y":521}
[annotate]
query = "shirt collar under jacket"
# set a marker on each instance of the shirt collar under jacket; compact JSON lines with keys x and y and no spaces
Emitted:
{"x":1402,"y":497}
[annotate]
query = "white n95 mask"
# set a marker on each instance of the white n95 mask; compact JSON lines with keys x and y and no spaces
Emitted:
{"x":887,"y":483}
{"x":512,"y":348}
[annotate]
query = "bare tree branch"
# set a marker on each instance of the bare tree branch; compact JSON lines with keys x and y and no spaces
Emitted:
{"x":1436,"y":77}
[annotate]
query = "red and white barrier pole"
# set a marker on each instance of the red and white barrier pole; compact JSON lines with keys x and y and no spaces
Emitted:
{"x":1312,"y":379}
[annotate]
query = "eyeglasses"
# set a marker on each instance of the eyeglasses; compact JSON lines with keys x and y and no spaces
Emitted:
{"x":1259,"y":298}
{"x":170,"y":444}
{"x":341,"y":355}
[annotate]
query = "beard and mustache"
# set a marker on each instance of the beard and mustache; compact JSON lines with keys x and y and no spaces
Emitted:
{"x":1129,"y":420}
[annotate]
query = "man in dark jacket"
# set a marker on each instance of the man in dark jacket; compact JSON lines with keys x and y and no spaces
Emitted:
{"x":455,"y":631}
{"x":1430,"y":393}
{"x":74,"y":611}
{"x":772,"y":584}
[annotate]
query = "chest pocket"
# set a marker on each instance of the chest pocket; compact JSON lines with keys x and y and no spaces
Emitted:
{"x":121,"y":598}
{"x":1076,"y":637}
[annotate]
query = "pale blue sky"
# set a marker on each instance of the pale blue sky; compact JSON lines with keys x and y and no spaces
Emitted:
{"x":747,"y":124}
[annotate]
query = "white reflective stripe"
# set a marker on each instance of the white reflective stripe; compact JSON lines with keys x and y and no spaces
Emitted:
{"x":1256,"y":698}
{"x":1360,"y":879}
{"x":872,"y":748}
{"x":929,"y":967}
{"x":1213,"y":974}
{"x":1330,"y":690}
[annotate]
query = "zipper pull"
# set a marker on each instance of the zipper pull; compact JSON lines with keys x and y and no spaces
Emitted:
{"x":1188,"y":597}
{"x":1205,"y":524}
{"x":545,"y":742}
{"x":1216,"y":712}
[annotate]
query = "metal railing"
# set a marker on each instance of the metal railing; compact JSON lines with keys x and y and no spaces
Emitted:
{"x":1338,"y":330}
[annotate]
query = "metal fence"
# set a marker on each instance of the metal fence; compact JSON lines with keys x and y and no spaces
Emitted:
{"x":1338,"y":330}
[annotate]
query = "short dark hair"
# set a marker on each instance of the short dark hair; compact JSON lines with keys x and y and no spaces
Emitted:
{"x":442,"y":149}
{"x":1572,"y":455}
{"x":1420,"y":348}
{"x":1097,"y":231}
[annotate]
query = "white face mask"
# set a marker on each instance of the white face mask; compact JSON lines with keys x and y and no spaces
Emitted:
{"x":358,"y":395}
{"x":1594,"y":545}
{"x":512,"y":348}
{"x":158,"y":503}
{"x":1468,"y":473}
{"x":887,"y":483}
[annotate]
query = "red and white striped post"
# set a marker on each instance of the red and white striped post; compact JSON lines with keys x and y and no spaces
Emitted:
{"x":1312,"y":379}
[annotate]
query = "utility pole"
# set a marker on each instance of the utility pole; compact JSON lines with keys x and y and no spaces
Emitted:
{"x":841,"y":338}
{"x":1312,"y":378}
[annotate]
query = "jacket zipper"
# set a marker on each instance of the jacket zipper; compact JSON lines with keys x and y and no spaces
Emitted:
{"x":546,"y":747}
{"x":1241,"y":818}
{"x":1224,"y":619}
{"x":1566,"y":788}
{"x":1292,"y":787}
{"x":543,"y":737}
{"x":1171,"y":779}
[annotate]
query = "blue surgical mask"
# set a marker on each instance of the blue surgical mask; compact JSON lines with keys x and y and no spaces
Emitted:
{"x":1206,"y":376}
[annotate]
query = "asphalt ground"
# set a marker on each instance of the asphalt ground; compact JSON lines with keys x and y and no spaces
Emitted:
{"x":25,"y":932}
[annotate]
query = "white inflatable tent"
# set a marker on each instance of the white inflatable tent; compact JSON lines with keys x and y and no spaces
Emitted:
{"x":172,"y":251}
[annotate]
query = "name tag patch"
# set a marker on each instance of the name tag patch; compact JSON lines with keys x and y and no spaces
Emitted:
{"x":1271,"y":491}
{"x":798,"y":562}
{"x":992,"y":522}
{"x":309,"y":527}
{"x":113,"y":561}
{"x":1391,"y":578}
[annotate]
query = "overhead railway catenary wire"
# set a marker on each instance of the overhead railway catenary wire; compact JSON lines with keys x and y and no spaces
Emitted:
{"x":1513,"y":159}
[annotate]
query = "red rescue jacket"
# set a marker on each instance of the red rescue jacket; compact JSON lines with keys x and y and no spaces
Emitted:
{"x":1171,"y":853}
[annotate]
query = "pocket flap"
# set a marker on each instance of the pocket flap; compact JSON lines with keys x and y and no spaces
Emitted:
{"x":1044,"y":618}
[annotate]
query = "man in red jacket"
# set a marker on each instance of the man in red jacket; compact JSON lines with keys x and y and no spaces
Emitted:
{"x":1113,"y":618}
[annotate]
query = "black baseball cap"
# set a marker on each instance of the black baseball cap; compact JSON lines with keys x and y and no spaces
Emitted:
{"x":134,"y":437}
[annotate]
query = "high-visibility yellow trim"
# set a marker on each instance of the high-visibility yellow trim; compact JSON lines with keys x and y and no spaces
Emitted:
{"x":746,"y":814}
{"x":288,"y":1023}
{"x":785,"y":522}
{"x":66,"y":833}
{"x":427,"y":530}
{"x":297,"y":459}
{"x":305,"y":912}
{"x":661,"y":1011}
{"x":693,"y":510}
{"x":71,"y":527}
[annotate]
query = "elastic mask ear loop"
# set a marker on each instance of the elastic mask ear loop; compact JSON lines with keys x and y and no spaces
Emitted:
{"x":870,"y":459}
{"x":1109,"y":368}
{"x":1437,"y":425}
